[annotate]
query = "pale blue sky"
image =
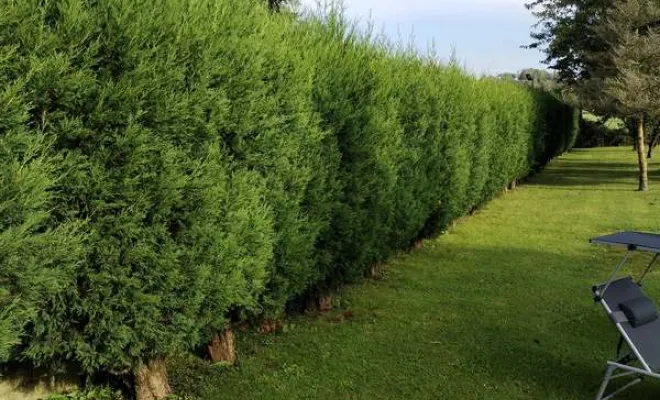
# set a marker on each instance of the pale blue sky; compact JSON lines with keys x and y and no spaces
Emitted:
{"x":486,"y":34}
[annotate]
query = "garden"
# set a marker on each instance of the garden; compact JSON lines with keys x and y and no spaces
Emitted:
{"x":209,"y":199}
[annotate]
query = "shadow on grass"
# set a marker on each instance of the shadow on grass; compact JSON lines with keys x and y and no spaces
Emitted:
{"x":586,"y":178}
{"x":540,"y":369}
{"x":545,"y":337}
{"x":495,"y":321}
{"x":537,"y":368}
{"x":513,"y":316}
{"x":594,"y":165}
{"x":587,"y":173}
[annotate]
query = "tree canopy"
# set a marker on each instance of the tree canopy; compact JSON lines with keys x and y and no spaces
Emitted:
{"x":566,"y":34}
{"x":609,"y":52}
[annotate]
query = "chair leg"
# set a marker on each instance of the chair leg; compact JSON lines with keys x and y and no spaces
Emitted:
{"x":606,"y":380}
{"x":609,"y":376}
{"x":624,"y":388}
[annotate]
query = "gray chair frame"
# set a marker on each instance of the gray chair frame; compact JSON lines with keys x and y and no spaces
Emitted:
{"x":635,"y":364}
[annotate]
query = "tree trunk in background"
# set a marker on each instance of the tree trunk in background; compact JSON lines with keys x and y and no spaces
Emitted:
{"x":222,"y":348}
{"x":632,"y":128}
{"x":151,"y":382}
{"x":641,"y":156}
{"x":654,"y":143}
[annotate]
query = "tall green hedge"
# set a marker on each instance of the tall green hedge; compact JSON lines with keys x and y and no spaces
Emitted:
{"x":170,"y":164}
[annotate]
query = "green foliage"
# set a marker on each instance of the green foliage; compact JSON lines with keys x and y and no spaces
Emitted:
{"x":174,"y":232}
{"x":602,"y":132}
{"x":627,"y":71}
{"x":421,"y":144}
{"x":37,"y":258}
{"x":439,"y":324}
{"x":566,"y":33}
{"x":539,"y":78}
{"x":92,"y":393}
{"x":172,"y":164}
{"x":608,"y":48}
{"x":100,"y":393}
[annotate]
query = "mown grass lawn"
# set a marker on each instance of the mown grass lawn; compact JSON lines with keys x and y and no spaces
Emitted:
{"x":498,"y":308}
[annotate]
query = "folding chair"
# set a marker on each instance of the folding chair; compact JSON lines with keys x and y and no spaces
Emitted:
{"x":633,"y":313}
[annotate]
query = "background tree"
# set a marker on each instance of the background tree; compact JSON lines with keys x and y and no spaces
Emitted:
{"x":627,"y":71}
{"x":507,"y":76}
{"x":539,"y":78}
{"x":654,"y":128}
{"x":566,"y":34}
{"x":536,"y":78}
{"x":609,"y":52}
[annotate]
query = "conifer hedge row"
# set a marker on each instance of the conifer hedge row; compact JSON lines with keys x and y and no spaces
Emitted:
{"x":168,"y":163}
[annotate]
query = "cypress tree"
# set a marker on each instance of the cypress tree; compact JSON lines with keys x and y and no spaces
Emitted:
{"x":130,"y":111}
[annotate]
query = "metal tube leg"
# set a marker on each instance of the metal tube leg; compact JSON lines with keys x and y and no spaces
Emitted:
{"x":624,"y":388}
{"x":606,"y":380}
{"x":648,"y":269}
{"x":616,"y":271}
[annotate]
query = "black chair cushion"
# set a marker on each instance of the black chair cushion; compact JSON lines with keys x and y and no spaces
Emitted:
{"x":639,"y":311}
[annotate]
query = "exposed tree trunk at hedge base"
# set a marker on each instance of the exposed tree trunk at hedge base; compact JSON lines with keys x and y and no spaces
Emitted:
{"x":319,"y":302}
{"x":270,"y":326}
{"x":222,"y":347}
{"x":325,"y":303}
{"x":151,"y":381}
{"x":641,"y":156}
{"x":150,"y":188}
{"x":512,"y":185}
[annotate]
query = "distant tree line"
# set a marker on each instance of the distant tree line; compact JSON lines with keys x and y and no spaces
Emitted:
{"x":534,"y":77}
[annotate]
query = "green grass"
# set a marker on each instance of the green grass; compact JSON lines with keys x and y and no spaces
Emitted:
{"x":498,"y":308}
